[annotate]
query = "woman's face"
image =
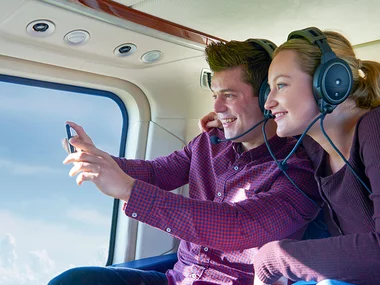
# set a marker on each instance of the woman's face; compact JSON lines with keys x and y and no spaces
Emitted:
{"x":291,"y":98}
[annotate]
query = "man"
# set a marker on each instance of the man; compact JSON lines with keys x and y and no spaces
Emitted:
{"x":239,"y":199}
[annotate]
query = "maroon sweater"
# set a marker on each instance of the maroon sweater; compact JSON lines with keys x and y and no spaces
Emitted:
{"x":353,"y":253}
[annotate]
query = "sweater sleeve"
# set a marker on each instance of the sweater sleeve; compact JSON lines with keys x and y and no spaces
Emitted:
{"x":354,"y":258}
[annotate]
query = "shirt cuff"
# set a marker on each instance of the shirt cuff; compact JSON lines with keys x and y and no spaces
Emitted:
{"x":141,"y":201}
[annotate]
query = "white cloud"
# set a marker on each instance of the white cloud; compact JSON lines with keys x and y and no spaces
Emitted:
{"x":38,"y":270}
{"x":32,"y":252}
{"x":26,"y":169}
{"x":88,"y":216}
{"x":8,"y":255}
{"x":40,"y":261}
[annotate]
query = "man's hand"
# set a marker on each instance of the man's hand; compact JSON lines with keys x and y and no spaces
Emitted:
{"x":92,"y":164}
{"x":209,"y":121}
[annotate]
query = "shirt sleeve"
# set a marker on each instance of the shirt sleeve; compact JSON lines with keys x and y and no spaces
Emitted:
{"x":354,"y":258}
{"x":166,"y":172}
{"x":265,"y":217}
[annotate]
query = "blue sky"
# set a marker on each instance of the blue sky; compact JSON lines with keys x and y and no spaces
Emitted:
{"x":48,"y":223}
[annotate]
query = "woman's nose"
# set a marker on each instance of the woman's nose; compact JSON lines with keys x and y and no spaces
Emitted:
{"x":270,"y":102}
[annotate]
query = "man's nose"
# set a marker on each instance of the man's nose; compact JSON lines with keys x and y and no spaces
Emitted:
{"x":219,"y":105}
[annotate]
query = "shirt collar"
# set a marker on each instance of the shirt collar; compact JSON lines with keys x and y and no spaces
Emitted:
{"x":275,"y":144}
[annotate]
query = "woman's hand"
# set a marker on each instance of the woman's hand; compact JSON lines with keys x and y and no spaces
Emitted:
{"x":282,"y":281}
{"x":209,"y":121}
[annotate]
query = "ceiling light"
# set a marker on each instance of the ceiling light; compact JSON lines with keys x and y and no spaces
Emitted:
{"x":151,"y":56}
{"x":125,"y":49}
{"x":40,"y":28}
{"x":77,"y":37}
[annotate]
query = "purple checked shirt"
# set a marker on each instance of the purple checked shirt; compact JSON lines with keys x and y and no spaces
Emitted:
{"x":238,"y":201}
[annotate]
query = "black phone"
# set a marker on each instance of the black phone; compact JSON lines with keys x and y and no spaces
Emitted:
{"x":69,"y":135}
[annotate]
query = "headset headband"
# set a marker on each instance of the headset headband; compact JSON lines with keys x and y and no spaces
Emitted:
{"x":315,"y":36}
{"x":267,"y":45}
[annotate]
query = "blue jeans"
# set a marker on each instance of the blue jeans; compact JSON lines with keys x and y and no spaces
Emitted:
{"x":109,"y":276}
{"x":323,"y":282}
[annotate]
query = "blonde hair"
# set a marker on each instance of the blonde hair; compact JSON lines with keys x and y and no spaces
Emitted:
{"x":366,"y":74}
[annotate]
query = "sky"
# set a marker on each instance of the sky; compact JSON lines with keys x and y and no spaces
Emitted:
{"x":47,"y":222}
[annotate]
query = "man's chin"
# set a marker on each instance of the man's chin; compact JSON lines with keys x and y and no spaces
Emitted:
{"x":229,"y":137}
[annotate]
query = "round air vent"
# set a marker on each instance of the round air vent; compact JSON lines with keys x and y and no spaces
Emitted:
{"x":151,"y":56}
{"x":77,"y":37}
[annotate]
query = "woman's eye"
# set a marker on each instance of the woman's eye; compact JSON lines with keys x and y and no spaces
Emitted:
{"x":280,"y":86}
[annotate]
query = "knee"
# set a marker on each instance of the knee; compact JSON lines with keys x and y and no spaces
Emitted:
{"x":76,"y":276}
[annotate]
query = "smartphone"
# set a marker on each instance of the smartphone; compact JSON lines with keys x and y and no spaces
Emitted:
{"x":69,"y":135}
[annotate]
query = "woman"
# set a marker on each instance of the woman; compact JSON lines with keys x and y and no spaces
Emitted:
{"x":351,"y":204}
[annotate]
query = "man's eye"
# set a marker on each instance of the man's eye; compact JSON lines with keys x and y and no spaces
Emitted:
{"x":228,"y":95}
{"x":214,"y":96}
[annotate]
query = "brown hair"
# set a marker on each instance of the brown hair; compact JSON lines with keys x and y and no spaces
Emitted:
{"x":251,"y":57}
{"x":366,"y":74}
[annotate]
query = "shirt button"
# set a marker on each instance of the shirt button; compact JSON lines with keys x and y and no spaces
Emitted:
{"x":236,"y":167}
{"x":134,"y":215}
{"x":219,"y":194}
{"x":206,"y":249}
{"x":193,"y":276}
{"x":168,"y":230}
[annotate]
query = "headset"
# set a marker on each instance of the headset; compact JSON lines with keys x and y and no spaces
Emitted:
{"x":264,"y":89}
{"x":332,"y":80}
{"x":332,"y":84}
{"x":263,"y":96}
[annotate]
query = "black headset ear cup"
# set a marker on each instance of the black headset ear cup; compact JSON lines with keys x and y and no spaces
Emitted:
{"x":263,"y":95}
{"x":332,"y":83}
{"x":264,"y":90}
{"x":332,"y":80}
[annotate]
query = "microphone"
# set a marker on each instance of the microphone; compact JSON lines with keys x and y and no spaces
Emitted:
{"x":216,"y":139}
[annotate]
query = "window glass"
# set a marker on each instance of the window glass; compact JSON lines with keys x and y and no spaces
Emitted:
{"x":48,"y":222}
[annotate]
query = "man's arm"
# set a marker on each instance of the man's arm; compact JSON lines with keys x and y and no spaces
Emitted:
{"x":265,"y":217}
{"x":166,"y":172}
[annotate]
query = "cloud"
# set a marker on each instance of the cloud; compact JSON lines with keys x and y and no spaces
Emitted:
{"x":88,"y":216}
{"x":41,"y":262}
{"x":37,"y":271}
{"x":32,"y":251}
{"x":26,"y":169}
{"x":8,"y":255}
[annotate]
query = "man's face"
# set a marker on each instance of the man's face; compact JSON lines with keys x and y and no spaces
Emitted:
{"x":237,"y":107}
